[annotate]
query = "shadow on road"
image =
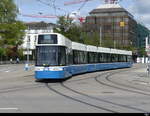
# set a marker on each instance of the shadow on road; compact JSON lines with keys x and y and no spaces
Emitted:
{"x":52,"y":80}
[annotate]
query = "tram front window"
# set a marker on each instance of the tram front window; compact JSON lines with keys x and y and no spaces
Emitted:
{"x":50,"y":56}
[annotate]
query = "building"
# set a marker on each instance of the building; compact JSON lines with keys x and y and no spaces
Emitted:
{"x":112,"y":22}
{"x":142,"y":33}
{"x":34,"y":28}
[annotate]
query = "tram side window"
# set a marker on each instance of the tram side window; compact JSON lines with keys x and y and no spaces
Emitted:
{"x":75,"y":57}
{"x":103,"y":58}
{"x":100,"y":58}
{"x":114,"y":58}
{"x":119,"y":58}
{"x":129,"y":58}
{"x":69,"y":56}
{"x":62,"y":56}
{"x":108,"y":56}
{"x":122,"y":58}
{"x":79,"y":57}
{"x":92,"y":57}
{"x":84,"y":57}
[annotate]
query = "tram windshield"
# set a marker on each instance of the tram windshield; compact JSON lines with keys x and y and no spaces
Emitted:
{"x":47,"y":39}
{"x":50,"y":56}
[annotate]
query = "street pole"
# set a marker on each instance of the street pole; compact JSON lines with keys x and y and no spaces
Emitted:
{"x":114,"y":44}
{"x":148,"y":53}
{"x":100,"y":35}
{"x":28,"y":48}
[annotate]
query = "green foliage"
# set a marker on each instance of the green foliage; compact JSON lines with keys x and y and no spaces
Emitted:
{"x":64,"y":24}
{"x":13,"y":36}
{"x":2,"y":51}
{"x":20,"y":54}
{"x":142,"y":52}
{"x":92,"y":39}
{"x":8,"y":11}
{"x":75,"y":32}
{"x":108,"y":42}
{"x":11,"y":31}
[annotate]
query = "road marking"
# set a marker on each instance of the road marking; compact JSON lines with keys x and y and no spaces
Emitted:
{"x":7,"y":71}
{"x":9,"y":108}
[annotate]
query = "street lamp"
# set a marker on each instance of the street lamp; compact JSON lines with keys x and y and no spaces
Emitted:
{"x":28,"y":52}
{"x":28,"y":49}
{"x":100,"y":28}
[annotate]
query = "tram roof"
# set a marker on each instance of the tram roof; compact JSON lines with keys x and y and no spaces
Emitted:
{"x":64,"y":41}
{"x":79,"y":46}
{"x":91,"y":48}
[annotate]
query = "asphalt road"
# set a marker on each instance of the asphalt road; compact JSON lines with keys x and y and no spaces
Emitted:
{"x":115,"y":91}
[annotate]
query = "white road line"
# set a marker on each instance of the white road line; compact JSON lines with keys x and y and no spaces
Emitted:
{"x":9,"y":108}
{"x":7,"y":71}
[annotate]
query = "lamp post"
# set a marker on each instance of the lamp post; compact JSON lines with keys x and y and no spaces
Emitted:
{"x":100,"y":29}
{"x":28,"y":52}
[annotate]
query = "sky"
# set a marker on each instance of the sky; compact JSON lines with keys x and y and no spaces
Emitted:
{"x":138,"y":8}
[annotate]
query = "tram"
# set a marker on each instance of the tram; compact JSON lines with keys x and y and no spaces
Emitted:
{"x":58,"y":58}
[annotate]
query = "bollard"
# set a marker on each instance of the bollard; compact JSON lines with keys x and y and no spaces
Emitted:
{"x":148,"y":70}
{"x":26,"y":68}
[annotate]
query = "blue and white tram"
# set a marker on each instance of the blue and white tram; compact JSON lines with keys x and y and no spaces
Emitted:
{"x":57,"y":57}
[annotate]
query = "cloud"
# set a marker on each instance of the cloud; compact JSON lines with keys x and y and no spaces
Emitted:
{"x":141,"y":10}
{"x":142,"y":6}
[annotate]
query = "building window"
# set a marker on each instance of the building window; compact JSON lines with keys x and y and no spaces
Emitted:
{"x":107,"y":28}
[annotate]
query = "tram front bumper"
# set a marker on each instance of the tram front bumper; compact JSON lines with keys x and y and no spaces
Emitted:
{"x":49,"y":74}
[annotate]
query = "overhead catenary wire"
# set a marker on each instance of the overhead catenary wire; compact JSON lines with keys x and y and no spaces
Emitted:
{"x":82,"y":6}
{"x":53,"y":5}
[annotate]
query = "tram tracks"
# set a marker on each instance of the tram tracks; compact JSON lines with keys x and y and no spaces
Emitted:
{"x":96,"y":102}
{"x":79,"y":100}
{"x":87,"y":100}
{"x":120,"y":86}
{"x":113,"y":104}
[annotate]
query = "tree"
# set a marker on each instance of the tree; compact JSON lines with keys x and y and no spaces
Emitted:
{"x":75,"y":32}
{"x":92,"y":39}
{"x":11,"y":30}
{"x":108,"y":42}
{"x":142,"y":52}
{"x":8,"y":11}
{"x":13,"y":36}
{"x":64,"y":24}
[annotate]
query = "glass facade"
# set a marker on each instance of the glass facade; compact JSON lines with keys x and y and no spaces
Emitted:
{"x":111,"y":25}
